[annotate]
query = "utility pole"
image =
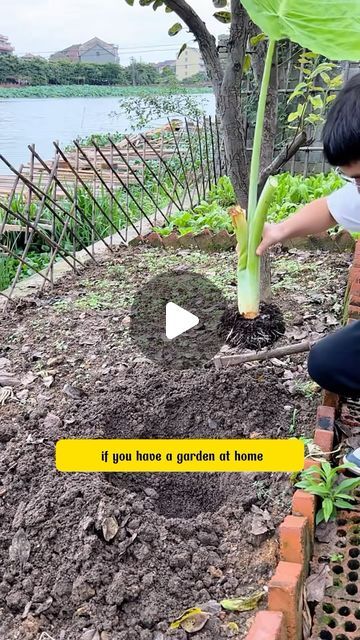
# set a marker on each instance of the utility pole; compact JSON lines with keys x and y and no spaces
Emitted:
{"x":133,"y":71}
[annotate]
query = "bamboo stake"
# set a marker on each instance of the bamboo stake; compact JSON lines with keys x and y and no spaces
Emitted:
{"x":181,"y":162}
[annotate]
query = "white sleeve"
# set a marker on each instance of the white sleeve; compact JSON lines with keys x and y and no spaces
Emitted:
{"x":344,"y":206}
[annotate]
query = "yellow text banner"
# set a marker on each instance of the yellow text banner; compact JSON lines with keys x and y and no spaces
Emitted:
{"x":195,"y":455}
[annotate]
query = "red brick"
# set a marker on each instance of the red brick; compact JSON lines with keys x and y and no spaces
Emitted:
{"x":309,"y":462}
{"x":330,"y":399}
{"x":154,"y":239}
{"x":354,"y":275}
{"x":325,"y":440}
{"x":356,"y":259}
{"x":285,"y":594}
{"x":325,"y":417}
{"x":268,"y":625}
{"x":304,"y":504}
{"x":295,"y":540}
{"x":354,"y":300}
{"x":355,"y":284}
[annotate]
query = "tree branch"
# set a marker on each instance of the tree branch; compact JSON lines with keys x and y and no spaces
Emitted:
{"x":283,"y":157}
{"x":205,"y":39}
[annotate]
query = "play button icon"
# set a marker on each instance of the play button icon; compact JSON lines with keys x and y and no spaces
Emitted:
{"x":175,"y":319}
{"x":178,"y":320}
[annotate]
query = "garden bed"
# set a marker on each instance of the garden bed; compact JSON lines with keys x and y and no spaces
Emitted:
{"x":182,"y":539}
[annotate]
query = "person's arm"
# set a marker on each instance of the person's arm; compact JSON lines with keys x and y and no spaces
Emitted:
{"x":313,"y":218}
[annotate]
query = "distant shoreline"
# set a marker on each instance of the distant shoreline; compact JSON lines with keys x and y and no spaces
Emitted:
{"x":95,"y":91}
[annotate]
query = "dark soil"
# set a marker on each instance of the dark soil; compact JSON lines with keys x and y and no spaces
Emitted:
{"x":182,"y":539}
{"x":256,"y":334}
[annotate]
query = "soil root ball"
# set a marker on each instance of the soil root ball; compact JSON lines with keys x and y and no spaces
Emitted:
{"x":261,"y":332}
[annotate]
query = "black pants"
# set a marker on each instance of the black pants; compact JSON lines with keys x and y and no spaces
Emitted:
{"x":334,"y":362}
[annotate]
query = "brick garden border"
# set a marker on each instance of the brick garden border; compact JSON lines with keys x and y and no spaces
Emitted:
{"x":283,"y":618}
{"x":223,"y":240}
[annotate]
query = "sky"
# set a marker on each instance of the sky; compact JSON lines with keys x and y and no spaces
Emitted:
{"x":45,"y":26}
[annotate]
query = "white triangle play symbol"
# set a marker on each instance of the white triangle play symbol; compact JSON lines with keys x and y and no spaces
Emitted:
{"x":178,"y":320}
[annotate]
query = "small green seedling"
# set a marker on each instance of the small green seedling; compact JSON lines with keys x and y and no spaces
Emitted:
{"x":337,"y":557}
{"x":323,"y":482}
{"x":293,"y":422}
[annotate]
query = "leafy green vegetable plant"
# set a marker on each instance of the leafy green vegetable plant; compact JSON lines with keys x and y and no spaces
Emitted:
{"x":295,"y":191}
{"x":324,"y":482}
{"x":206,"y":215}
{"x":222,"y":192}
{"x":291,"y":192}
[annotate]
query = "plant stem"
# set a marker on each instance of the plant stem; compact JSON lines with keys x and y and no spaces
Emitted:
{"x":256,"y":153}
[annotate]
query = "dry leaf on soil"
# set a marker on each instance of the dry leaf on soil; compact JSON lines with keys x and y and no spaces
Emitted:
{"x":90,"y":634}
{"x":317,"y":582}
{"x":28,"y":378}
{"x":324,"y":531}
{"x":245,"y":603}
{"x":110,"y":528}
{"x":192,"y":620}
{"x":125,"y":544}
{"x":261,"y":521}
{"x":19,"y":550}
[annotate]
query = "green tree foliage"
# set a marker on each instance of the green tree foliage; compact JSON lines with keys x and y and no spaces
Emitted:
{"x":37,"y":71}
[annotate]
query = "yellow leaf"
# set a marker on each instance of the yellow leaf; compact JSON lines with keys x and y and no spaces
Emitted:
{"x":245,"y":603}
{"x":177,"y":622}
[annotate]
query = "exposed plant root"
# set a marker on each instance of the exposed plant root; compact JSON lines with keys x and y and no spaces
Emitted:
{"x":252,"y":334}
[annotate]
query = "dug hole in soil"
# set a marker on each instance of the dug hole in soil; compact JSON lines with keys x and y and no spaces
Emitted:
{"x":117,"y":556}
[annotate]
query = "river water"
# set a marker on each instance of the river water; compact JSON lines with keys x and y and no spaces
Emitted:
{"x":40,"y":121}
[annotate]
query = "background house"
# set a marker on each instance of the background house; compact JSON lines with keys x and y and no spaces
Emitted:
{"x":70,"y":53}
{"x":94,"y":50}
{"x":5,"y":46}
{"x":189,"y":63}
{"x":166,"y":64}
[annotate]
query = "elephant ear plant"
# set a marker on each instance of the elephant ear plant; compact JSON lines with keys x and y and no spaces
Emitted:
{"x":327,"y":27}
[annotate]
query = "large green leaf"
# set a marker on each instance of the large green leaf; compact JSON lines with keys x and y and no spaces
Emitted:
{"x":329,"y":27}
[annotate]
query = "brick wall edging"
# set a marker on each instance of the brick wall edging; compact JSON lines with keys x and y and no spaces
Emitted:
{"x":223,"y":240}
{"x":296,"y":542}
{"x":283,"y":618}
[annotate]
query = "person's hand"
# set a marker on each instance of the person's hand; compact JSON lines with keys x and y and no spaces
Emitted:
{"x":271,"y":235}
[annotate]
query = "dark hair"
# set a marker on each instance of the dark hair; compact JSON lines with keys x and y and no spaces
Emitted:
{"x":341,"y":133}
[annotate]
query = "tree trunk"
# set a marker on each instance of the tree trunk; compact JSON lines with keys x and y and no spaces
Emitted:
{"x":232,"y":125}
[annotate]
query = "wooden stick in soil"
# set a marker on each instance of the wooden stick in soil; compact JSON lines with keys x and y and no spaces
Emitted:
{"x":228,"y":361}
